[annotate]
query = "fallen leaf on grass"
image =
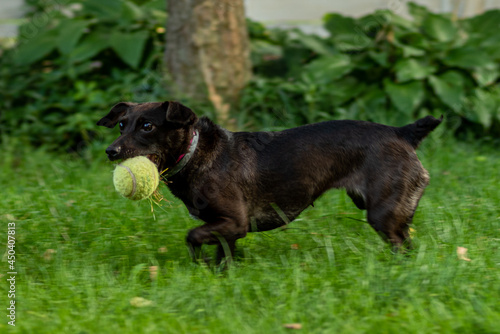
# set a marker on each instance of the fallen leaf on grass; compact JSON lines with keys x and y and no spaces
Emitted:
{"x":462,"y":253}
{"x":162,"y":250}
{"x":140,"y":302}
{"x":294,"y":246}
{"x":293,"y":326}
{"x":10,"y":217}
{"x":47,"y":255}
{"x":412,"y":232}
{"x":65,"y":234}
{"x":153,"y":272}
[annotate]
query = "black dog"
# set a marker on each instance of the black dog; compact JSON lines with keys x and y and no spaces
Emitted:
{"x":239,"y":182}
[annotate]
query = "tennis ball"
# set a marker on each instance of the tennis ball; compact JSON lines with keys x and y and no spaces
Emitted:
{"x":136,"y":178}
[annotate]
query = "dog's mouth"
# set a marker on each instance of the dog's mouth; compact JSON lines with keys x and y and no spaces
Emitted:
{"x":155,"y":158}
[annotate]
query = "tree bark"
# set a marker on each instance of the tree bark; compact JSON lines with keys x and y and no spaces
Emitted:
{"x":207,"y":50}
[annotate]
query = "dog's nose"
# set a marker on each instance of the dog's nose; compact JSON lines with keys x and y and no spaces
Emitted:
{"x":112,"y":152}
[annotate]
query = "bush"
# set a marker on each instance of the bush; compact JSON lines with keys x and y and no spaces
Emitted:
{"x":73,"y":61}
{"x":380,"y":67}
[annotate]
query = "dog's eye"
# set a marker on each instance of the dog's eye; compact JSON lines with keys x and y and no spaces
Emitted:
{"x":147,"y":126}
{"x":121,"y":125}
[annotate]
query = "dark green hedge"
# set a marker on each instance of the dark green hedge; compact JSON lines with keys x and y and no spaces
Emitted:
{"x":74,"y":61}
{"x":381,"y":67}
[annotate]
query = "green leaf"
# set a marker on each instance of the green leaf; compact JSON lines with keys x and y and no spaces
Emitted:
{"x":487,"y":74}
{"x":380,"y":58}
{"x":90,"y":46}
{"x":482,"y":33}
{"x":262,"y":51}
{"x":495,"y":91}
{"x":409,"y":51}
{"x":484,"y":108}
{"x":104,"y":9}
{"x":412,"y":69}
{"x":36,"y":48}
{"x":327,"y":69}
{"x":413,"y":39}
{"x":70,"y":31}
{"x":439,"y":28}
{"x":466,"y":57}
{"x":129,"y":46}
{"x":373,"y":101}
{"x":419,"y":13}
{"x":156,"y":5}
{"x":346,"y":33}
{"x":484,"y":25}
{"x":449,"y":87}
{"x":405,"y":97}
{"x":344,"y":89}
{"x":338,"y":24}
{"x":131,"y":12}
{"x":372,"y":24}
{"x":389,"y":16}
{"x":490,"y":47}
{"x":313,"y":42}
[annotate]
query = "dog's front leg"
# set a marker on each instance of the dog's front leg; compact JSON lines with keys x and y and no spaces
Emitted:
{"x":223,"y":233}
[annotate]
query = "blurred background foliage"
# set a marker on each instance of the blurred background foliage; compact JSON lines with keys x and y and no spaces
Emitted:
{"x":74,"y":61}
{"x":383,"y":68}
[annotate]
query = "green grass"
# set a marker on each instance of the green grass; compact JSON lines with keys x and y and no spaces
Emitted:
{"x":328,"y":272}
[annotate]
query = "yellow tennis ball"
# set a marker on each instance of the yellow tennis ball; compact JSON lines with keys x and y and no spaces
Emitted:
{"x":136,"y":178}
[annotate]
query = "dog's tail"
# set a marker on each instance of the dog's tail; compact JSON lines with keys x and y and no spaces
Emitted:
{"x":414,"y":133}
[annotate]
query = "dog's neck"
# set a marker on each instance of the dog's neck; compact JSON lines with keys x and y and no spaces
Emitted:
{"x":183,"y":159}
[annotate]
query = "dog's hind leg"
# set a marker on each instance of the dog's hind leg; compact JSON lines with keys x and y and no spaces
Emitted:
{"x":392,"y":226}
{"x":392,"y":215}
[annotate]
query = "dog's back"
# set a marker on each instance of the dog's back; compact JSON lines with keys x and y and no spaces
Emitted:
{"x":371,"y":161}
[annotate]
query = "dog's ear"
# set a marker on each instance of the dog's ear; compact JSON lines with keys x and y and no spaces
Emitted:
{"x":114,"y":114}
{"x":178,"y":113}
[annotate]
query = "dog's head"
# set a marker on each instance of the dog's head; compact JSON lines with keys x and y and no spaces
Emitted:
{"x":160,"y":131}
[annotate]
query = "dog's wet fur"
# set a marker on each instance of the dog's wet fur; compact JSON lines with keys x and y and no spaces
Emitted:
{"x":240,"y":182}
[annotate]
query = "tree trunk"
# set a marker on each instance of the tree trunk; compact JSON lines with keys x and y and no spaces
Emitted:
{"x":207,"y":50}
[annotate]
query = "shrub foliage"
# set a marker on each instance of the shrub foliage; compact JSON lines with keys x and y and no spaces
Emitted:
{"x":381,"y":67}
{"x":74,"y":60}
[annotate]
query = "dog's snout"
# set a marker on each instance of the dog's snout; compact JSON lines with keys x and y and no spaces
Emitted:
{"x":113,"y":152}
